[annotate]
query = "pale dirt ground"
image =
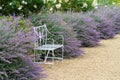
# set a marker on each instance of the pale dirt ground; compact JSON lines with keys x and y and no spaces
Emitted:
{"x":98,"y":63}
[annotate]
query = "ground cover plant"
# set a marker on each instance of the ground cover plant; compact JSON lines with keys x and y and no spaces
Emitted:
{"x":16,"y":41}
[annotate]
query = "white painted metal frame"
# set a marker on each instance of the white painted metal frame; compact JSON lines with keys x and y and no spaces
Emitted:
{"x":41,"y":34}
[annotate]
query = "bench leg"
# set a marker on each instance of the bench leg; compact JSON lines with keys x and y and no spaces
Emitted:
{"x":62,"y":52}
{"x":53,"y":55}
{"x":46,"y":56}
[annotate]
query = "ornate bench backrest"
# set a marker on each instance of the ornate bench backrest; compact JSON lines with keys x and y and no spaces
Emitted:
{"x":41,"y":34}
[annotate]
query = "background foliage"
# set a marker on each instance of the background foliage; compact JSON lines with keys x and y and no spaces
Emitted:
{"x":20,"y":6}
{"x":69,"y":5}
{"x":109,"y":2}
{"x":27,"y":7}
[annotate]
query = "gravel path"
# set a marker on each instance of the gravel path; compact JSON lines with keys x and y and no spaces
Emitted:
{"x":98,"y":63}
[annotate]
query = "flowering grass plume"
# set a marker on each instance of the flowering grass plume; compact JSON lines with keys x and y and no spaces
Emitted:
{"x":15,"y":43}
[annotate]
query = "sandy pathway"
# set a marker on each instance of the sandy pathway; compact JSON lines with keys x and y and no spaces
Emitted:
{"x":98,"y":63}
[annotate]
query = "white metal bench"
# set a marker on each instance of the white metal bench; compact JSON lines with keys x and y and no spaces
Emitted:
{"x":46,"y":45}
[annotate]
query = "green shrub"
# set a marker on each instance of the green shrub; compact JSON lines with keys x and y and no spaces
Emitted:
{"x":69,"y":5}
{"x":20,"y":6}
{"x":117,"y":2}
{"x":109,"y":2}
{"x":81,"y":5}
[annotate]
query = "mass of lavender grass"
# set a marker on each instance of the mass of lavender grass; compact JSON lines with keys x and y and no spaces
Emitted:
{"x":16,"y":39}
{"x":78,"y":29}
{"x":72,"y":44}
{"x":104,"y":22}
{"x":106,"y":30}
{"x":88,"y":28}
{"x":56,"y":24}
{"x":117,"y":23}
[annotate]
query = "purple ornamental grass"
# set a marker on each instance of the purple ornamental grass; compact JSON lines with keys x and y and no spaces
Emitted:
{"x":106,"y":18}
{"x":88,"y":36}
{"x":106,"y":28}
{"x":15,"y":43}
{"x":86,"y":30}
{"x":72,"y":45}
{"x":31,"y":70}
{"x":19,"y":37}
{"x":106,"y":31}
{"x":78,"y":21}
{"x":116,"y":19}
{"x":18,"y":67}
{"x":88,"y":27}
{"x":57,"y":24}
{"x":117,"y":23}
